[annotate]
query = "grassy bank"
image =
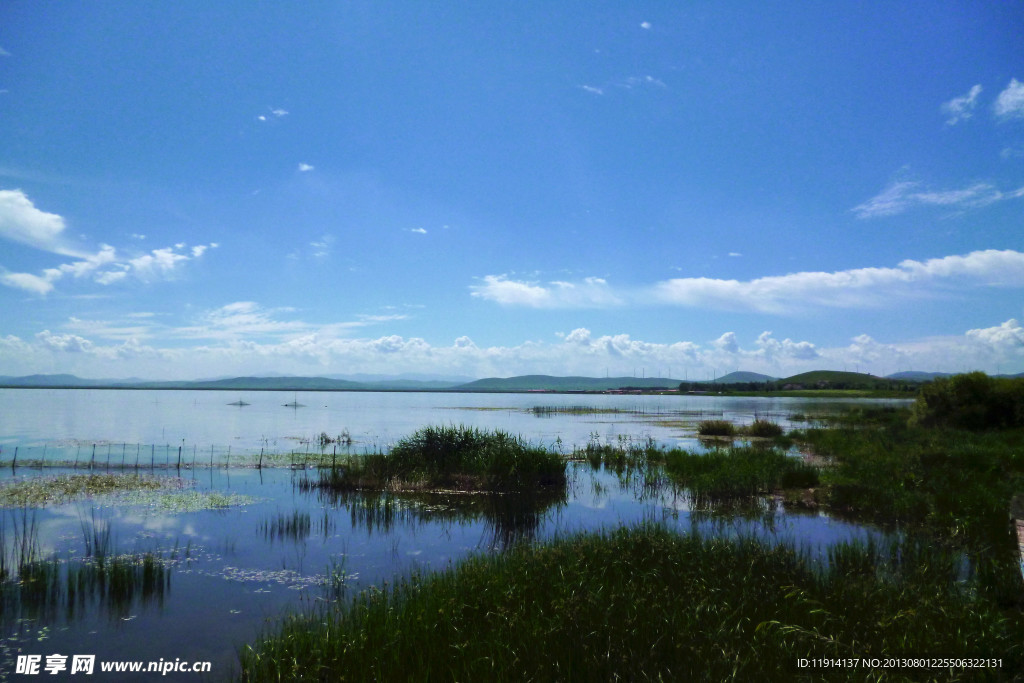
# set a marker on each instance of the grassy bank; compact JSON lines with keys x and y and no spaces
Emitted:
{"x":458,"y":458}
{"x":647,"y":603}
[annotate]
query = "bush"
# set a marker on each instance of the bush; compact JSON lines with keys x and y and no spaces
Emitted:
{"x":971,"y":401}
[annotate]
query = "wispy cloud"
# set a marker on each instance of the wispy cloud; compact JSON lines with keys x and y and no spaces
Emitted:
{"x":304,"y":168}
{"x":593,"y":90}
{"x":591,"y":292}
{"x":861,"y":287}
{"x":645,"y":25}
{"x":4,"y":53}
{"x":1010,"y":102}
{"x":418,"y":231}
{"x":277,"y":113}
{"x":961,"y":108}
{"x":22,"y":222}
{"x":904,"y":195}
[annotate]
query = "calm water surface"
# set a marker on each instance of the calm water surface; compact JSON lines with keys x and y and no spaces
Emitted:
{"x":234,"y":571}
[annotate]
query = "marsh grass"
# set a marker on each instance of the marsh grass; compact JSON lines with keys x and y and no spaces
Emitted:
{"x":645,"y":604}
{"x":458,"y":458}
{"x":716,"y":428}
{"x":37,"y":587}
{"x":955,"y":485}
{"x":738,"y":472}
{"x":759,"y":428}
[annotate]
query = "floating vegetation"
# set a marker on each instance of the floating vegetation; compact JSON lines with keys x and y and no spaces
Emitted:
{"x":43,"y":491}
{"x":184,"y":501}
{"x":239,"y":403}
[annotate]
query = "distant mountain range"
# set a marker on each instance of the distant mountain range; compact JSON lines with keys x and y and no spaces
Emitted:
{"x":435,"y":383}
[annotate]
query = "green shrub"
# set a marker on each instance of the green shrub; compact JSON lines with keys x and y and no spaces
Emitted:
{"x":970,"y":401}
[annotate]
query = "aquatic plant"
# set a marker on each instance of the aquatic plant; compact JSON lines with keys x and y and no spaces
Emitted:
{"x":461,"y":458}
{"x":42,"y":491}
{"x":762,"y":429}
{"x":644,"y":604}
{"x":716,"y":428}
{"x":738,"y":472}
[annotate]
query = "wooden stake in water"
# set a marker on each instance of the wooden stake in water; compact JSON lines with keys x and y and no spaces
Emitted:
{"x":77,"y":451}
{"x":92,"y":462}
{"x":15,"y":461}
{"x":138,"y":447}
{"x":228,"y":463}
{"x":194,"y":451}
{"x":179,"y":458}
{"x":211,"y":457}
{"x":108,"y":455}
{"x":260,"y":466}
{"x":152,"y":455}
{"x":124,"y":447}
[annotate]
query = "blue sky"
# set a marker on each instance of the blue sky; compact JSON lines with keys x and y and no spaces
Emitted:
{"x":198,"y":189}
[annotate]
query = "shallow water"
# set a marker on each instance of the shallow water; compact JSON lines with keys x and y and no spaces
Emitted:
{"x":234,"y":571}
{"x":150,"y":426}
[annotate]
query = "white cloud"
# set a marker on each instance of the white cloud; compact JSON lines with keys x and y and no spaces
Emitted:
{"x":1006,"y":337}
{"x":70,"y":343}
{"x":418,"y":231}
{"x":21,"y":221}
{"x":645,"y":25}
{"x":1010,"y":103}
{"x":592,"y":89}
{"x":105,"y":267}
{"x":590,"y":292}
{"x":279,"y":113}
{"x":904,"y":195}
{"x":961,"y":108}
{"x":315,"y":351}
{"x":303,"y":168}
{"x":860,"y":287}
{"x":28,"y":282}
{"x":727,"y":342}
{"x":4,"y":53}
{"x":735,"y":254}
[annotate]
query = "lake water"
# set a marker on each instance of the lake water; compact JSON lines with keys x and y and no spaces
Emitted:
{"x":233,"y":571}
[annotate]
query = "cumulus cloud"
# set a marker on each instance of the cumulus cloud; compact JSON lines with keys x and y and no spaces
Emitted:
{"x":418,"y":231}
{"x":728,"y":343}
{"x":904,"y":195}
{"x":303,"y":168}
{"x":580,"y":352}
{"x":1010,"y":102}
{"x":1008,"y":336}
{"x":961,"y":108}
